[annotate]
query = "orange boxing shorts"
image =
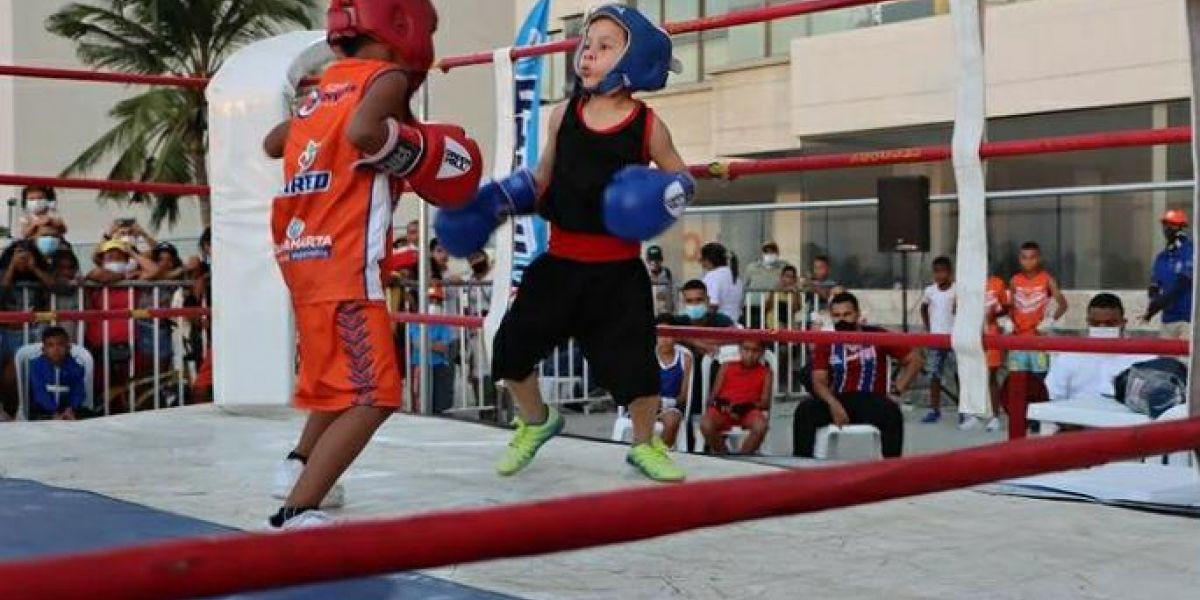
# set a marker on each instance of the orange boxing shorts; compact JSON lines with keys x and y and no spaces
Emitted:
{"x":346,"y":356}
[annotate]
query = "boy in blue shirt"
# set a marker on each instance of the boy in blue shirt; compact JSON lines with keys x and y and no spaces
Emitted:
{"x":56,"y":380}
{"x":441,"y":342}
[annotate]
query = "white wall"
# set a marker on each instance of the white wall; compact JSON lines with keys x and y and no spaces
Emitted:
{"x":52,"y":121}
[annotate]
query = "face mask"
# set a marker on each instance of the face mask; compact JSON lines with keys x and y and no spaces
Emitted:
{"x":1104,"y":332}
{"x":47,"y":245}
{"x":37,"y":206}
{"x":770,"y":259}
{"x":695,"y":312}
{"x":116,"y":267}
{"x":844,"y":326}
{"x":436,"y":309}
{"x":207,"y":259}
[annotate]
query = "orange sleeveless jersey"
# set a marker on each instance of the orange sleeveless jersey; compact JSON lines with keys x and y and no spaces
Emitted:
{"x":1031,"y":297}
{"x":331,"y":222}
{"x":995,"y":298}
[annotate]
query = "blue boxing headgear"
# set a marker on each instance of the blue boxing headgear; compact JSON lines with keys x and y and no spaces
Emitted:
{"x":646,"y":61}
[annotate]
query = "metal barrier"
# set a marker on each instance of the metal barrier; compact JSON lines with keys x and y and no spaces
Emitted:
{"x":142,"y":359}
{"x":461,"y":380}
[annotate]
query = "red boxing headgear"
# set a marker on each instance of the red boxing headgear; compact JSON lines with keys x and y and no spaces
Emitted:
{"x":404,"y":25}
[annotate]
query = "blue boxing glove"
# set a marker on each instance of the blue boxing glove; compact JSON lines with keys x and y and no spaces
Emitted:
{"x":640,"y":202}
{"x":466,"y":230}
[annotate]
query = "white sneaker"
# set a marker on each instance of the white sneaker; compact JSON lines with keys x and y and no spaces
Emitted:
{"x":304,"y":520}
{"x":289,"y":471}
{"x":993,"y":424}
{"x":968,"y":422}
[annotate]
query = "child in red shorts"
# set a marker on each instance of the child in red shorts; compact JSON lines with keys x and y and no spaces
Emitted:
{"x":740,"y":398}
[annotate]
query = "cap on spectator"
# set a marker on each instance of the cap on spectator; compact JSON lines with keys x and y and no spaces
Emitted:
{"x":769,"y":246}
{"x":654,"y":253}
{"x":1175,"y":217}
{"x":107,"y":246}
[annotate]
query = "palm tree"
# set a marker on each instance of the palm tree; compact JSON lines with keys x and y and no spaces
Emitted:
{"x":160,"y":135}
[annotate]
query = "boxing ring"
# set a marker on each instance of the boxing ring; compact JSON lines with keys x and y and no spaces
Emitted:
{"x":202,"y":468}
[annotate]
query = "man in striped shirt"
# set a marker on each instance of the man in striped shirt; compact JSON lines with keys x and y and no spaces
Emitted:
{"x":850,"y":384}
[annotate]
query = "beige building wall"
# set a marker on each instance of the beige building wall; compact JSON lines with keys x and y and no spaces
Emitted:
{"x":1041,"y":56}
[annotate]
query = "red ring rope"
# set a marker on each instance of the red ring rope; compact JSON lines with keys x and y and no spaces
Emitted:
{"x":190,"y":568}
{"x":733,"y":170}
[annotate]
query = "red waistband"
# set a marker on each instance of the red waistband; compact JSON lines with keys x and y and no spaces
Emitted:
{"x":590,"y":247}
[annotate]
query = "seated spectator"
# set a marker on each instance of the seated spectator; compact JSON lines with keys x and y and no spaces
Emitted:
{"x":1075,"y":375}
{"x":57,"y":382}
{"x":676,"y":370}
{"x":41,"y":215}
{"x":442,"y":342}
{"x":740,"y":397}
{"x":850,"y":385}
{"x":699,"y":312}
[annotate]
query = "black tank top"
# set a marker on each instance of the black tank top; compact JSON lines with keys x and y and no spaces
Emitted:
{"x":585,"y":161}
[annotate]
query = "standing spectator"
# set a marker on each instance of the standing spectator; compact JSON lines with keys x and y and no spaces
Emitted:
{"x":202,"y":262}
{"x":850,"y":385}
{"x":112,"y":262}
{"x":818,"y":289}
{"x":995,"y":307}
{"x":439,"y":261}
{"x":721,"y":280}
{"x":479,"y":300}
{"x":741,"y":397}
{"x":170,"y":265}
{"x":1171,"y":280}
{"x":1075,"y":375}
{"x":441,"y":345}
{"x":761,"y":277}
{"x":1032,"y":291}
{"x":24,"y":275}
{"x":785,"y":300}
{"x":41,"y":217}
{"x":65,"y":291}
{"x":662,"y":282}
{"x":676,"y":368}
{"x":57,"y":382}
{"x":937,"y":313}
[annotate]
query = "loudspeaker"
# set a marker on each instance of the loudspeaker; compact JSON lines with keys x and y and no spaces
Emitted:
{"x":903,"y":214}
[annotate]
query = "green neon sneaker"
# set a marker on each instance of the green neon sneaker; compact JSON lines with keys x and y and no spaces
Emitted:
{"x":526,"y":440}
{"x":653,"y":461}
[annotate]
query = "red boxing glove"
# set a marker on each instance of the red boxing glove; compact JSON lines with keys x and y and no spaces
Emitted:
{"x":441,"y":163}
{"x":449,"y":177}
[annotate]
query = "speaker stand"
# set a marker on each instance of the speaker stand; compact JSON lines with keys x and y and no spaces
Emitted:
{"x":904,"y":250}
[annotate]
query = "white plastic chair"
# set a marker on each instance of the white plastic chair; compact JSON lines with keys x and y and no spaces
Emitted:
{"x":826,"y":446}
{"x":28,"y":352}
{"x":735,"y":436}
{"x":623,"y":426}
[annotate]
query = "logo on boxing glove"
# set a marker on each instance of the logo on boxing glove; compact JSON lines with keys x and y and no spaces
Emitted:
{"x":675,"y":199}
{"x":456,"y":161}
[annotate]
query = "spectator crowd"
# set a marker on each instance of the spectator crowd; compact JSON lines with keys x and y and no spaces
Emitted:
{"x":727,"y":388}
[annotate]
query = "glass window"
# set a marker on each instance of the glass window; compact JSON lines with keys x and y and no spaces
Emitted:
{"x":687,"y":46}
{"x":895,"y":12}
{"x":554,"y":73}
{"x":782,"y":31}
{"x":1179,"y":156}
{"x":728,"y":45}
